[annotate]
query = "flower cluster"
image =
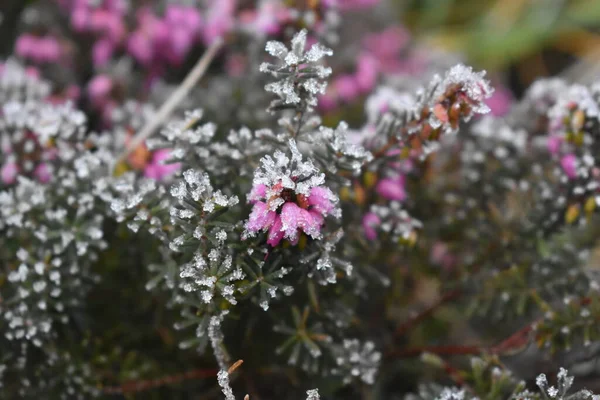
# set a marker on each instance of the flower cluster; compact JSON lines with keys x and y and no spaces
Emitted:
{"x":289,"y":198}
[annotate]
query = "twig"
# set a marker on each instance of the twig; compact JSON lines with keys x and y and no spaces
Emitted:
{"x":176,"y":97}
{"x":143,"y":385}
{"x":516,"y":341}
{"x":423,"y":315}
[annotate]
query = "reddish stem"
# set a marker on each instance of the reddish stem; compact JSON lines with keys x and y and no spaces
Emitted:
{"x":423,"y":315}
{"x":143,"y":385}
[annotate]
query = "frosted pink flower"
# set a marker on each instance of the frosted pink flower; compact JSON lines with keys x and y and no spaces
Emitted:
{"x":569,"y":165}
{"x":157,"y":169}
{"x":392,"y":188}
{"x":289,"y":199}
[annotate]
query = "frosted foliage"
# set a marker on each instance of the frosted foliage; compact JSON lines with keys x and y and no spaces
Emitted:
{"x":216,"y":339}
{"x":195,"y":187}
{"x":452,"y":394}
{"x":45,"y":120}
{"x":17,"y":84}
{"x":356,"y":360}
{"x":223,"y":380}
{"x":295,"y":173}
{"x":577,"y":97}
{"x":300,"y":79}
{"x":213,"y":277}
{"x":337,"y":140}
{"x":544,"y":93}
{"x":476,"y":87}
{"x":313,"y":394}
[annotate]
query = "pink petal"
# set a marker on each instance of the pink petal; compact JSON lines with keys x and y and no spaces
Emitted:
{"x":258,"y":192}
{"x":321,"y":198}
{"x":291,"y":218}
{"x":275,"y":233}
{"x":260,"y":218}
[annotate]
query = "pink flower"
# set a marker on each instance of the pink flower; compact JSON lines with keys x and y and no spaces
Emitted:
{"x":25,"y":45}
{"x":569,"y":165}
{"x":9,"y":172}
{"x":370,"y":222}
{"x":500,"y":101}
{"x":99,"y":90}
{"x":219,"y":21}
{"x":346,"y":87}
{"x":48,"y":49}
{"x":157,"y":169}
{"x":140,"y":47}
{"x":42,"y":173}
{"x":392,"y":188}
{"x":366,"y":72}
{"x":102,"y":52}
{"x":286,"y":221}
{"x":554,"y":142}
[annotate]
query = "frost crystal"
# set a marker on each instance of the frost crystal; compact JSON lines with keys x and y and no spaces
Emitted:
{"x":356,"y":360}
{"x":300,"y":78}
{"x":223,"y":380}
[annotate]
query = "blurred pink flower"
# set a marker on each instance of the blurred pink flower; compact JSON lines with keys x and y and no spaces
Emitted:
{"x":554,"y":142}
{"x":219,"y":20}
{"x":159,"y":171}
{"x":392,"y":188}
{"x":500,"y":101}
{"x":42,"y":173}
{"x":569,"y":165}
{"x":9,"y":172}
{"x":370,"y":222}
{"x":99,"y":90}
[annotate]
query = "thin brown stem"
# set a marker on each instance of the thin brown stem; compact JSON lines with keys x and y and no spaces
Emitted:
{"x":143,"y":385}
{"x":176,"y":97}
{"x":429,"y":311}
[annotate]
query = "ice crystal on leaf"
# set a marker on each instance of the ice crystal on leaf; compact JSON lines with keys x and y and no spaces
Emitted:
{"x":356,"y":360}
{"x":300,"y":78}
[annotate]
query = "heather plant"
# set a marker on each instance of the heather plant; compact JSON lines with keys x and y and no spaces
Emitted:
{"x":242,"y":240}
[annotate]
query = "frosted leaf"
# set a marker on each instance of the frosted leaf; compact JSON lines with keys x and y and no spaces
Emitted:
{"x":298,"y":77}
{"x":223,"y":380}
{"x":318,"y":51}
{"x":276,"y":49}
{"x":313,"y":394}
